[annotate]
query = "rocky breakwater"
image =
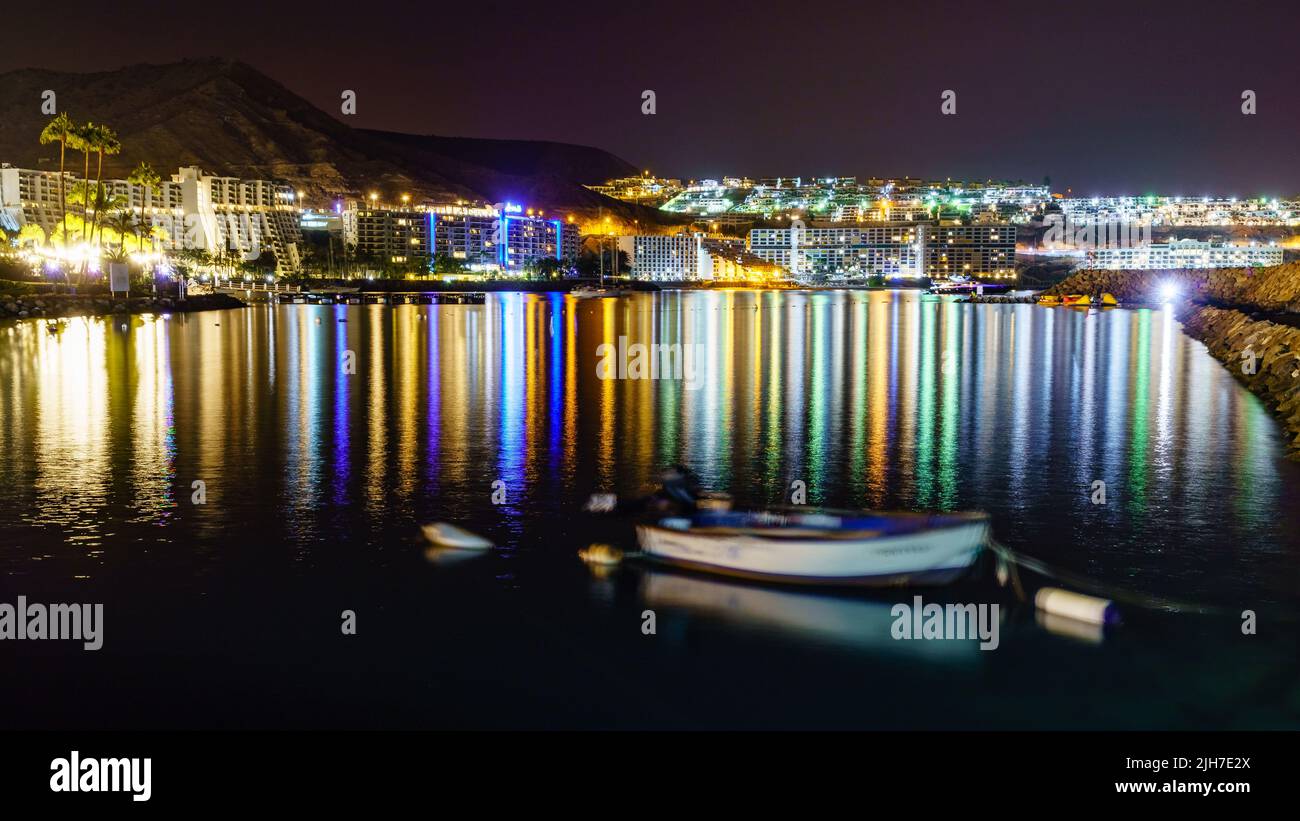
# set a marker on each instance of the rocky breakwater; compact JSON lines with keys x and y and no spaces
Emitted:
{"x":1263,"y":355}
{"x":62,"y":305}
{"x":1273,"y":289}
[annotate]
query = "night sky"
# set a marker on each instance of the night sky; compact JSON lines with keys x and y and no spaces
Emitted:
{"x":1102,"y":97}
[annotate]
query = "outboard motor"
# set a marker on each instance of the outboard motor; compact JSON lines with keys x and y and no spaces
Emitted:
{"x":681,"y":486}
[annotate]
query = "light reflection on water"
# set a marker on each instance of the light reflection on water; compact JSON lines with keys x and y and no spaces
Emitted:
{"x":874,"y":399}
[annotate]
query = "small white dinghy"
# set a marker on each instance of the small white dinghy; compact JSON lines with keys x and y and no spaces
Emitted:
{"x":588,"y":292}
{"x":442,"y":534}
{"x":821,"y":548}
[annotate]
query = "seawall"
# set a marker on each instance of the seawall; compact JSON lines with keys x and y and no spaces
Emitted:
{"x":1273,"y":290}
{"x":59,"y":305}
{"x":1262,"y":355}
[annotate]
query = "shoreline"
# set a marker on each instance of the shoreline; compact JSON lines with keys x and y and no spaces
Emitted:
{"x":60,"y":306}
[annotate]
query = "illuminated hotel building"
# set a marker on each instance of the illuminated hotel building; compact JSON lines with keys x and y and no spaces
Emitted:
{"x":391,"y":236}
{"x":866,"y":250}
{"x":193,"y":208}
{"x":28,"y":196}
{"x":900,"y":249}
{"x":675,"y":258}
{"x":504,"y":237}
{"x":1183,"y":254}
{"x":526,"y":236}
{"x":970,"y":250}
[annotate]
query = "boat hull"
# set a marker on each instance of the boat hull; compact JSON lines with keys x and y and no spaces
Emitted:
{"x":926,"y":557}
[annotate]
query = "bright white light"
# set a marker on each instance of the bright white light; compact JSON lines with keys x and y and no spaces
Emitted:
{"x":1168,"y":292}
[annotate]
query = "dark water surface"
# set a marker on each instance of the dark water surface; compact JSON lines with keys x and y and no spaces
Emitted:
{"x":227,"y":614}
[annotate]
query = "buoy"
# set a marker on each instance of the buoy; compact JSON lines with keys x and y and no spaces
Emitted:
{"x":1088,"y":609}
{"x":443,"y":534}
{"x":601,"y":554}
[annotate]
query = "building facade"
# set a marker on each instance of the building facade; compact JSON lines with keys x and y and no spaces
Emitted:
{"x":505,"y":237}
{"x":1183,"y":254}
{"x":897,"y":249}
{"x":192,"y":210}
{"x":670,"y":258}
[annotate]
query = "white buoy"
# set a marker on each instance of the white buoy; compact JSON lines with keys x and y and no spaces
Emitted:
{"x":1088,"y":609}
{"x":443,"y":534}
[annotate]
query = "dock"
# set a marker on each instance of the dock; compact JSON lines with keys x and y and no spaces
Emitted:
{"x":383,"y":298}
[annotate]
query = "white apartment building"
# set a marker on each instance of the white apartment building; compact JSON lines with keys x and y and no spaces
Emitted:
{"x":28,"y":196}
{"x":897,"y":249}
{"x":674,"y":258}
{"x":1183,"y":254}
{"x":1183,"y":211}
{"x":891,"y":249}
{"x":195,"y":210}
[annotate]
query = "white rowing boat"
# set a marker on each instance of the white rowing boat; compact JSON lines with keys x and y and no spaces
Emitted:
{"x":821,"y":548}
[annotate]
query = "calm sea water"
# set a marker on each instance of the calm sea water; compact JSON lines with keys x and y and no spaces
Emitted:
{"x":228,"y":613}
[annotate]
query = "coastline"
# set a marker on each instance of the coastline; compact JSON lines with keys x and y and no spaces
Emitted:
{"x":56,"y":306}
{"x":1261,"y":354}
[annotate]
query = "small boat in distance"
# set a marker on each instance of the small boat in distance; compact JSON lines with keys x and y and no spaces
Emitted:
{"x":820,"y":547}
{"x":589,"y":292}
{"x":442,"y":534}
{"x":1104,"y":300}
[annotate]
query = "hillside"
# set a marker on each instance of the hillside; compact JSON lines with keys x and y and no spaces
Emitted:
{"x":228,"y":118}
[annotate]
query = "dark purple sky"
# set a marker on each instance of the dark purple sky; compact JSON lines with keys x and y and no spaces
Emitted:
{"x":1103,"y":97}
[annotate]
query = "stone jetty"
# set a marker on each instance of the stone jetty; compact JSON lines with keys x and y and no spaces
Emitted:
{"x":61,"y":305}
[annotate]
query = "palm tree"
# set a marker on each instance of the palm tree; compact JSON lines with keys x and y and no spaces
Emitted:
{"x":83,"y":139}
{"x":122,"y":223}
{"x":105,"y":142}
{"x":148,"y":179}
{"x":60,"y":130}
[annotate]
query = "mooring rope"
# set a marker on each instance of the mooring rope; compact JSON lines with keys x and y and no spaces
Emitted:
{"x":1145,"y":600}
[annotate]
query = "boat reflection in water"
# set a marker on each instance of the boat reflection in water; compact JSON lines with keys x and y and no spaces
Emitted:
{"x":850,"y":621}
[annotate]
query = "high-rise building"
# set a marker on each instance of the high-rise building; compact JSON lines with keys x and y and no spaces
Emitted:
{"x":985,"y":250}
{"x":671,"y":258}
{"x":506,"y":237}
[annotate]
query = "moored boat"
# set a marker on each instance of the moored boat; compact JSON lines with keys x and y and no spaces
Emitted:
{"x":587,"y":292}
{"x":1076,"y":300}
{"x":816,"y":547}
{"x":1050,"y":300}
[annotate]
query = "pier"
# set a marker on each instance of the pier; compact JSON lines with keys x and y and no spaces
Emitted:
{"x":381,"y":298}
